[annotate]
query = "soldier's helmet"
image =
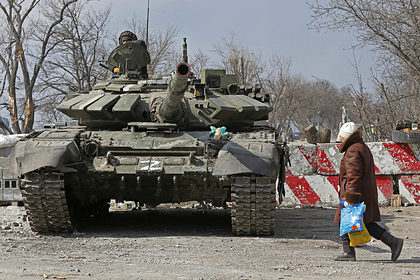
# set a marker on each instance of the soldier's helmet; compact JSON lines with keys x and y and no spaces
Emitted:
{"x":127,"y":36}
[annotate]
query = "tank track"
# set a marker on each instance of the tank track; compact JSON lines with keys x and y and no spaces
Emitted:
{"x":253,"y":205}
{"x":45,"y":201}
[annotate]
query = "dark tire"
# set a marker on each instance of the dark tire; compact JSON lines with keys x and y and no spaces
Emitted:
{"x":399,"y":136}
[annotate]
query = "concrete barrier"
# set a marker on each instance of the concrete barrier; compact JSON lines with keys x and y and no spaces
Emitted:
{"x":312,"y":178}
{"x":303,"y":159}
{"x":409,"y":187}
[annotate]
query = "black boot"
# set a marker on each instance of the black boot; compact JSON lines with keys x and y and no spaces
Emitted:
{"x":394,"y":243}
{"x":349,"y":254}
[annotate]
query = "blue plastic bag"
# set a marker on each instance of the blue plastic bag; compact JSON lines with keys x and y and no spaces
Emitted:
{"x":352,"y":218}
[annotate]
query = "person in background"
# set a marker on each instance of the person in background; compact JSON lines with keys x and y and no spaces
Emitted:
{"x":358,"y":184}
{"x":289,"y":133}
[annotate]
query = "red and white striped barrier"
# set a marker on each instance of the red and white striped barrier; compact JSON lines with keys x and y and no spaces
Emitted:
{"x":303,"y":159}
{"x":311,"y":189}
{"x":405,"y":159}
{"x":323,"y":190}
{"x":390,"y":158}
{"x":312,"y":177}
{"x":409,"y":187}
{"x":328,"y":159}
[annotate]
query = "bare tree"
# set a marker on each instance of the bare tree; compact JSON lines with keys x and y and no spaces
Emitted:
{"x":330,"y":99}
{"x":318,"y":98}
{"x":283,"y":88}
{"x":389,"y":26}
{"x":398,"y":99}
{"x":164,"y":51}
{"x":288,"y":90}
{"x":23,"y":48}
{"x":392,"y":29}
{"x":3,"y":101}
{"x":199,"y":61}
{"x":361,"y":101}
{"x":296,"y":101}
{"x":74,"y":64}
{"x":247,"y":66}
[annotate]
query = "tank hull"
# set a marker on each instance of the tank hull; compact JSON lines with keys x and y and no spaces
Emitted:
{"x":89,"y":168}
{"x":158,"y":139}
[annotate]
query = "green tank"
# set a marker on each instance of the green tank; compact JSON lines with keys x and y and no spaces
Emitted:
{"x":154,"y":139}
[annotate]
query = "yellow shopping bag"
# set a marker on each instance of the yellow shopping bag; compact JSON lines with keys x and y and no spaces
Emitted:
{"x":359,"y":237}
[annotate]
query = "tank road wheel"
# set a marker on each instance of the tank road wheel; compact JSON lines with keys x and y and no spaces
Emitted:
{"x":253,"y":205}
{"x":45,"y":201}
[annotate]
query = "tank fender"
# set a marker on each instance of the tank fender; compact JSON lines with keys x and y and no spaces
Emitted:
{"x":28,"y":156}
{"x":241,"y":157}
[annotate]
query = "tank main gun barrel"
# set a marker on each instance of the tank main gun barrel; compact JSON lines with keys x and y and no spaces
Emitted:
{"x":169,"y":109}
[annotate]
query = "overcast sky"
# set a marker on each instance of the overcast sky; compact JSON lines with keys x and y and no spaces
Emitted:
{"x":268,"y":26}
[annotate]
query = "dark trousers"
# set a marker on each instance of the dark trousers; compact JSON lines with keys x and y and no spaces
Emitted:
{"x":374,"y":230}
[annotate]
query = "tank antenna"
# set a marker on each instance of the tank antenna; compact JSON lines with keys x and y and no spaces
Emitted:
{"x":147,"y":26}
{"x":185,"y":54}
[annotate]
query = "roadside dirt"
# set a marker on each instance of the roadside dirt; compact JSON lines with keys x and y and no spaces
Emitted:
{"x":185,"y":244}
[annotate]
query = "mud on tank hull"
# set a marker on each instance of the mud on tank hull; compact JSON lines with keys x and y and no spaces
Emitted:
{"x":67,"y":175}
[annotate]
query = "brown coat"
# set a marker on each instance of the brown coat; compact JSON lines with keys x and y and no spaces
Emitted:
{"x":357,"y":174}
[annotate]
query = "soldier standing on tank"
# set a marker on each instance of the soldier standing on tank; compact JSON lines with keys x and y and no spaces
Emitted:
{"x":128,"y":37}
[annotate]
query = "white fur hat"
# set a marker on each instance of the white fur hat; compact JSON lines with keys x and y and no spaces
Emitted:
{"x":347,"y":129}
